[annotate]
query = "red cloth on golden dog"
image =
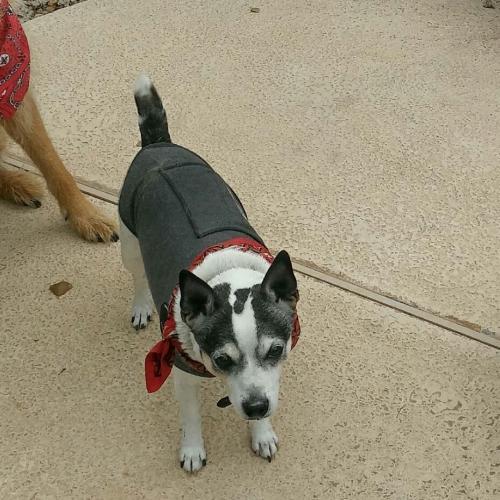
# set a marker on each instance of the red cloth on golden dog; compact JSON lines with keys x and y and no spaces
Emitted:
{"x":14,"y":61}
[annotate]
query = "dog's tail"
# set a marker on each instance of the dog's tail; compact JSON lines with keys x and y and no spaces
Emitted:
{"x":152,"y":116}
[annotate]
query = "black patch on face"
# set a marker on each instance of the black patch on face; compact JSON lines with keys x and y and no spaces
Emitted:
{"x":241,"y":298}
{"x":217,"y":330}
{"x":271,"y":320}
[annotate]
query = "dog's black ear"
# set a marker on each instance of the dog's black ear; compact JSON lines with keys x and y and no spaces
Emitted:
{"x":197,"y":297}
{"x":279,"y":283}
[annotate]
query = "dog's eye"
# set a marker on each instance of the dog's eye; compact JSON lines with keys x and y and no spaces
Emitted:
{"x":223,"y":361}
{"x":275,"y":352}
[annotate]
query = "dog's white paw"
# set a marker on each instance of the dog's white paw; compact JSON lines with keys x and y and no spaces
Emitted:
{"x":141,"y":313}
{"x":141,"y":316}
{"x":193,"y":458}
{"x":264,"y":440}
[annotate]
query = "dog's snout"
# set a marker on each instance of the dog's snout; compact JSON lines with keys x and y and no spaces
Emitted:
{"x":256,"y":407}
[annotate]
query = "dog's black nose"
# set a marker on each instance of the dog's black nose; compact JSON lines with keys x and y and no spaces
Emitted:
{"x":256,"y":408}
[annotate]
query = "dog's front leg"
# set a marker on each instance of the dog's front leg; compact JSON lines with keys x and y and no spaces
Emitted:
{"x":192,"y":453}
{"x":264,"y":440}
{"x":27,"y":129}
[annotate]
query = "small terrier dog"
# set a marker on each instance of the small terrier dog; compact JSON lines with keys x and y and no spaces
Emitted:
{"x":227,"y":307}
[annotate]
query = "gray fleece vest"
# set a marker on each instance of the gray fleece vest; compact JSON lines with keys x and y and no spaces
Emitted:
{"x":177,"y":206}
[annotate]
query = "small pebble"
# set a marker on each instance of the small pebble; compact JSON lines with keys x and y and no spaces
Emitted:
{"x":255,"y":10}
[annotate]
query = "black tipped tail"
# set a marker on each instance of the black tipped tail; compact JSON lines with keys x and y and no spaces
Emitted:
{"x":152,"y":116}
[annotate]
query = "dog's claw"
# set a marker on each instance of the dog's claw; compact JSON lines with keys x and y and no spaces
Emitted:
{"x":182,"y":464}
{"x":33,"y":203}
{"x":204,"y":462}
{"x":99,"y":239}
{"x":114,"y":237}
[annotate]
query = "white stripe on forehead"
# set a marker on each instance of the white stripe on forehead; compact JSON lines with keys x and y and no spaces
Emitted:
{"x":244,"y":324}
{"x":245,"y":327}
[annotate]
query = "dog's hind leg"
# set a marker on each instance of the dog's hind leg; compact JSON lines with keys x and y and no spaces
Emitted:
{"x":27,"y":129}
{"x":264,"y":440}
{"x":19,"y":187}
{"x":192,"y":453}
{"x":142,"y":307}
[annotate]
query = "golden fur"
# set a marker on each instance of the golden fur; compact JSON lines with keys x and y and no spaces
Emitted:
{"x":27,"y":129}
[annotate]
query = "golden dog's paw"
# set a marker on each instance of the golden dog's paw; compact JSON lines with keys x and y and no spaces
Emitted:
{"x":20,"y":188}
{"x":88,"y":221}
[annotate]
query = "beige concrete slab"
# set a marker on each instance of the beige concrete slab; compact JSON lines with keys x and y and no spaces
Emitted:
{"x":360,"y":135}
{"x":374,"y":404}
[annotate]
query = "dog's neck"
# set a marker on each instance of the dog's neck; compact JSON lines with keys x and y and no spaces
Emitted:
{"x":209,"y":270}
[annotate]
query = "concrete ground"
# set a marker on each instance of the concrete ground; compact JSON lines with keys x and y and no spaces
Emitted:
{"x":362,"y":137}
{"x":377,"y":121}
{"x":374,"y":404}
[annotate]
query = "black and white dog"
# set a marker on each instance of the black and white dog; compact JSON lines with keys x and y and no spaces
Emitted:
{"x":227,"y":308}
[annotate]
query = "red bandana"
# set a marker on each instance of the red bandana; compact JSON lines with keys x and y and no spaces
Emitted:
{"x":14,"y":61}
{"x":160,"y":359}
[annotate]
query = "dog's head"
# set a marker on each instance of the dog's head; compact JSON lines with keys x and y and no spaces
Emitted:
{"x":241,"y":325}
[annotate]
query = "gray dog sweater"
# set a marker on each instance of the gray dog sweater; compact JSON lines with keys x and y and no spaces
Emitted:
{"x":177,"y":206}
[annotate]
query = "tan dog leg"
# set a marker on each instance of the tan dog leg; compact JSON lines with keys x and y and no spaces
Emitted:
{"x":27,"y":129}
{"x":19,"y":187}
